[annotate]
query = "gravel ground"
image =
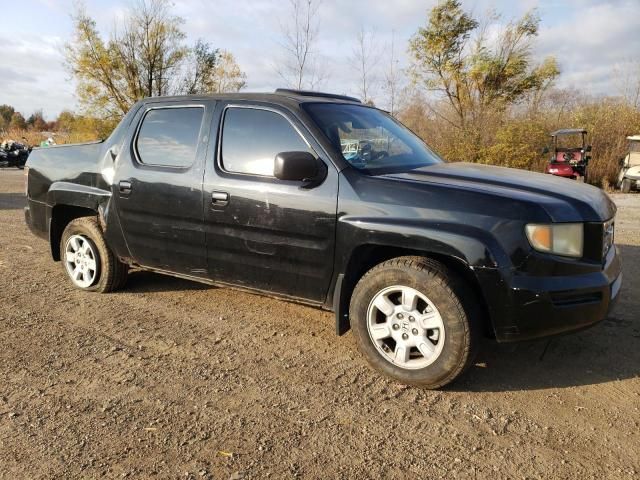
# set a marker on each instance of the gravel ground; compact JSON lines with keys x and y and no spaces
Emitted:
{"x":173,"y":379}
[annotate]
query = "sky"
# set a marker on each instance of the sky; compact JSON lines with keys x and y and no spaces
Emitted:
{"x":594,"y":41}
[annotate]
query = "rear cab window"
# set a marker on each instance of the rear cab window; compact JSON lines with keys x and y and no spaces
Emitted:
{"x":253,"y":136}
{"x":168,"y":136}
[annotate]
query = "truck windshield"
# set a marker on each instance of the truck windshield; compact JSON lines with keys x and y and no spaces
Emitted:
{"x":369,"y":139}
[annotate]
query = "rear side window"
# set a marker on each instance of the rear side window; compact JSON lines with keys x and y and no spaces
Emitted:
{"x":252,"y":137}
{"x":169,"y":136}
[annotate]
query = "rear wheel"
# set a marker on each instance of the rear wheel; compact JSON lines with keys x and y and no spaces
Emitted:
{"x":87,"y":259}
{"x":410,"y":322}
{"x":626,"y":185}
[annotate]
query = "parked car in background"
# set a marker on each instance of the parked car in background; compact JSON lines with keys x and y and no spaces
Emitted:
{"x":319,"y":199}
{"x":630,"y":166}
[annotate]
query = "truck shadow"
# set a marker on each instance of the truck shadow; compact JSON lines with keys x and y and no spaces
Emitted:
{"x":12,"y":201}
{"x":607,"y":352}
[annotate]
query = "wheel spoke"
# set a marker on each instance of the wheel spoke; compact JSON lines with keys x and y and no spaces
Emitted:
{"x":401,"y":354}
{"x":380,"y":331}
{"x":91,"y":264}
{"x":383,"y":304}
{"x":70,"y":256}
{"x":409,"y":299}
{"x":426,"y":348}
{"x":75,"y":245}
{"x":429,"y":321}
{"x":86,"y":249}
{"x":86,"y":276}
{"x":77,"y":273}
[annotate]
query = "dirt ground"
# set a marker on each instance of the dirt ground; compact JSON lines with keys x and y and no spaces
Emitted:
{"x":173,"y":379}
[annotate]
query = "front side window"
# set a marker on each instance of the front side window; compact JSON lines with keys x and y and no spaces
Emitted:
{"x":169,"y":136}
{"x":369,"y":139}
{"x":252,"y":137}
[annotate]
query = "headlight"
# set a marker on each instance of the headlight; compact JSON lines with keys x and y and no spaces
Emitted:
{"x":560,"y":239}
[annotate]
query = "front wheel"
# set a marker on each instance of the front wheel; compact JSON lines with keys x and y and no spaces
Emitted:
{"x":410,"y":322}
{"x":87,"y":259}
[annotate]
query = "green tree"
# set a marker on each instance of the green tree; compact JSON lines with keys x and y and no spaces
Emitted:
{"x":140,"y":60}
{"x":6,"y":112}
{"x":17,"y":122}
{"x":36,"y":121}
{"x":66,"y":121}
{"x":202,"y":63}
{"x":477,"y":77}
{"x":145,"y":56}
{"x":227,"y":76}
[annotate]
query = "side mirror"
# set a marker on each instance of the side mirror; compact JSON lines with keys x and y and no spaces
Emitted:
{"x":588,"y":149}
{"x":621,"y":161}
{"x":545,"y":150}
{"x":296,"y":166}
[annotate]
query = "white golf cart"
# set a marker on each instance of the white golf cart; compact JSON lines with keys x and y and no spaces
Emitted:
{"x":630,"y":166}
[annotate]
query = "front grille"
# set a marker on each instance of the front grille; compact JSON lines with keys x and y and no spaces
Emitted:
{"x":598,"y":240}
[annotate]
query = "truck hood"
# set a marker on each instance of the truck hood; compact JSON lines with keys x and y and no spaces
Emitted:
{"x":564,"y":200}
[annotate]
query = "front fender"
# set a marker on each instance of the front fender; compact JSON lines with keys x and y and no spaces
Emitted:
{"x":474,"y":249}
{"x":473,"y":246}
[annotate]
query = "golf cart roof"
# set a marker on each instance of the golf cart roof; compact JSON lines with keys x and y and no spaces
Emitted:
{"x":634,"y":138}
{"x":567,"y":131}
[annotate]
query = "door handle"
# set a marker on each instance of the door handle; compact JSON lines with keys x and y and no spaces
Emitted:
{"x":124,"y":187}
{"x":219,"y":198}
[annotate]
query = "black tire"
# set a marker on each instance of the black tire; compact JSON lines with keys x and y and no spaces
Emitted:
{"x":626,"y":185}
{"x":455,"y":302}
{"x":111,"y":273}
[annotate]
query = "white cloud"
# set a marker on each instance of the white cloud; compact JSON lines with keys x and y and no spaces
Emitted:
{"x":32,"y":75}
{"x":591,"y":42}
{"x":588,"y":38}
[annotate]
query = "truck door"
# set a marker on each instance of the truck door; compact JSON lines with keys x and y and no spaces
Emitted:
{"x":158,"y":186}
{"x":264,"y":233}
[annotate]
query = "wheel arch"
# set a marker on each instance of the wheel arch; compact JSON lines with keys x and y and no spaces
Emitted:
{"x":68,"y":201}
{"x":366,"y":256}
{"x":61,"y":216}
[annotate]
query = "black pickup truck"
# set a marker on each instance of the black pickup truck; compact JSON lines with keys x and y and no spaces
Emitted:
{"x":319,"y":199}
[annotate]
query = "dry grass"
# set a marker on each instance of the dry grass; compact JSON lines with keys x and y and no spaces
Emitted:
{"x":34,"y":138}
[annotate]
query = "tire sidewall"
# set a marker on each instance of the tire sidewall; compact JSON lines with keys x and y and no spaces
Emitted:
{"x":99,"y":247}
{"x":455,"y":350}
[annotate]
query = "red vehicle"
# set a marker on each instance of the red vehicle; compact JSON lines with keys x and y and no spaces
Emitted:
{"x":569,"y":154}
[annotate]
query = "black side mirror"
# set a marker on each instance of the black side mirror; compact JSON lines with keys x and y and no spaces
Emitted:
{"x":296,"y":166}
{"x":588,"y":149}
{"x":545,"y":150}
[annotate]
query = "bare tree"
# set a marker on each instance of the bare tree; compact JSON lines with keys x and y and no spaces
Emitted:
{"x":627,"y":80}
{"x":366,"y":58}
{"x":300,"y":67}
{"x":393,"y":77}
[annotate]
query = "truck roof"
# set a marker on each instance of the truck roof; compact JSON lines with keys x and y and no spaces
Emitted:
{"x":281,"y":95}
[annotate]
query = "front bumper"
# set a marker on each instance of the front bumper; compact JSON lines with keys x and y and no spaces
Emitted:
{"x":534,"y":307}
